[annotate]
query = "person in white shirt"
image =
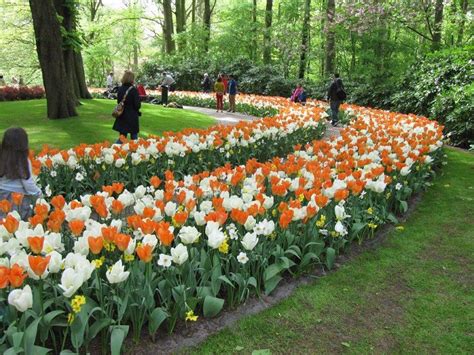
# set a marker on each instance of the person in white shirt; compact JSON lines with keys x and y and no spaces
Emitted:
{"x":110,"y":81}
{"x":167,"y":84}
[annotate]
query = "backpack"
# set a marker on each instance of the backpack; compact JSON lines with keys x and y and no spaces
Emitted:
{"x":340,"y":93}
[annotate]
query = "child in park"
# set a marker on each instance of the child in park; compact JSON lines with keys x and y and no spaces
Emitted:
{"x":17,"y":186}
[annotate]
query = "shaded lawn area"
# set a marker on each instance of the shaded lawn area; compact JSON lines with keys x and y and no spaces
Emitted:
{"x":94,"y":123}
{"x":412,"y":294}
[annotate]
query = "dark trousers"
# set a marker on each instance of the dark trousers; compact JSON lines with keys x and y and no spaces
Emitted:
{"x":335,"y":110}
{"x":164,"y":95}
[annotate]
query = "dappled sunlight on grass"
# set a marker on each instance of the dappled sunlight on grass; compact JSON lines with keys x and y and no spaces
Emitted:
{"x":94,"y":123}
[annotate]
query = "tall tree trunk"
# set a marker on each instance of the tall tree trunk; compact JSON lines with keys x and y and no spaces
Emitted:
{"x":180,"y":22}
{"x":168,"y":27}
{"x":207,"y":23}
{"x":193,"y":11}
{"x":462,"y":22}
{"x":254,"y":30}
{"x":59,"y":96}
{"x":353,"y":52}
{"x":304,"y":39}
{"x":322,"y":51}
{"x":267,"y":37}
{"x":330,"y":38}
{"x":438,"y":22}
{"x":72,"y":54}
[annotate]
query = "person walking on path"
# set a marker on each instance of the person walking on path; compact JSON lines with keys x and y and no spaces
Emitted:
{"x":206,"y":83}
{"x":127,"y":123}
{"x":166,"y":85}
{"x":110,"y":81}
{"x":16,"y":180}
{"x":232,"y":90}
{"x":219,"y":90}
{"x":336,"y":94}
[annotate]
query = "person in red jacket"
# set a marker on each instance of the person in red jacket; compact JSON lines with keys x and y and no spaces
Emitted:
{"x":141,"y":92}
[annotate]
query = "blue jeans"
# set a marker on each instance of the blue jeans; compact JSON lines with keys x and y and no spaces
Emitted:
{"x":133,"y":136}
{"x":335,"y":110}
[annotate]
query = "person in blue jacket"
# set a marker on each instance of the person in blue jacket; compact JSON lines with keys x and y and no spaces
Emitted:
{"x":232,"y":90}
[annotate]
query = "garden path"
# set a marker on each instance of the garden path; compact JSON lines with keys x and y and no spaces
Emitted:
{"x":232,"y":118}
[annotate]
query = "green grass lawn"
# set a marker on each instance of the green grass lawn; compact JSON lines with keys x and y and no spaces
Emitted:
{"x":413,"y":294}
{"x":94,"y":123}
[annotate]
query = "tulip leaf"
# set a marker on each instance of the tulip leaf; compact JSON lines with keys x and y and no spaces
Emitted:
{"x":30,"y":336}
{"x":226,"y":280}
{"x":212,"y":306}
{"x":330,"y":257}
{"x":391,"y":217}
{"x":157,"y":317}
{"x":117,"y":336}
{"x":403,"y":206}
{"x":357,"y":227}
{"x":97,"y":326}
{"x":271,"y":272}
{"x":270,"y":284}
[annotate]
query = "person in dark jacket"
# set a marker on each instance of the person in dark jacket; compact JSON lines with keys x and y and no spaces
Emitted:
{"x":206,"y":83}
{"x":232,"y":90}
{"x":127,"y":123}
{"x":336,"y":95}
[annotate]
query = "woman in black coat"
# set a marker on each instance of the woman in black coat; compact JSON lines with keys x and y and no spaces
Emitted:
{"x":127,"y":123}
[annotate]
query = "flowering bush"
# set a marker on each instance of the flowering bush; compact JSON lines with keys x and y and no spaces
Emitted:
{"x":88,"y":168}
{"x":11,"y":93}
{"x":180,"y":247}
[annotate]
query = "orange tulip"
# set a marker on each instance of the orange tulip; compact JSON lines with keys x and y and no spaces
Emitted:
{"x":4,"y":276}
{"x":117,"y":207}
{"x":38,"y":263}
{"x":155,"y":181}
{"x":5,"y":206}
{"x":166,"y":237}
{"x":17,"y":275}
{"x":36,"y":220}
{"x":36,"y":244}
{"x":17,"y":198}
{"x":144,"y":252}
{"x":76,"y":226}
{"x":11,"y":224}
{"x":109,"y":233}
{"x":122,"y":241}
{"x":95,"y":244}
{"x":58,"y":202}
{"x":180,"y":217}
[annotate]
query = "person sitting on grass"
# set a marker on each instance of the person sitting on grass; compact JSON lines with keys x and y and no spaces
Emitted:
{"x":302,"y":96}
{"x":296,"y":93}
{"x":16,"y":180}
{"x":219,"y":89}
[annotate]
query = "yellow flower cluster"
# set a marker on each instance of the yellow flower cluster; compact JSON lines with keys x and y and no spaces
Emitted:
{"x":77,"y":302}
{"x":321,"y":221}
{"x":224,"y":247}
{"x":191,"y":316}
{"x":128,"y":257}
{"x":98,"y":262}
{"x":370,"y":210}
{"x":372,"y":225}
{"x":109,"y":246}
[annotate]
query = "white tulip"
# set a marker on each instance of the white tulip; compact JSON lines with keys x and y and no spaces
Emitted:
{"x":189,"y":235}
{"x":250,"y":223}
{"x":249,"y":241}
{"x":150,"y":240}
{"x":55,"y":262}
{"x":179,"y":254}
{"x":170,"y":208}
{"x":71,"y":281}
{"x":21,"y":299}
{"x":215,"y":238}
{"x":117,"y":273}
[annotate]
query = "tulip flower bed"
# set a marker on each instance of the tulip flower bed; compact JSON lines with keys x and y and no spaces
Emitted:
{"x":119,"y":261}
{"x":87,"y":168}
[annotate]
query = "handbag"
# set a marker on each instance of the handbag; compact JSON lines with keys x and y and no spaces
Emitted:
{"x":118,"y":109}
